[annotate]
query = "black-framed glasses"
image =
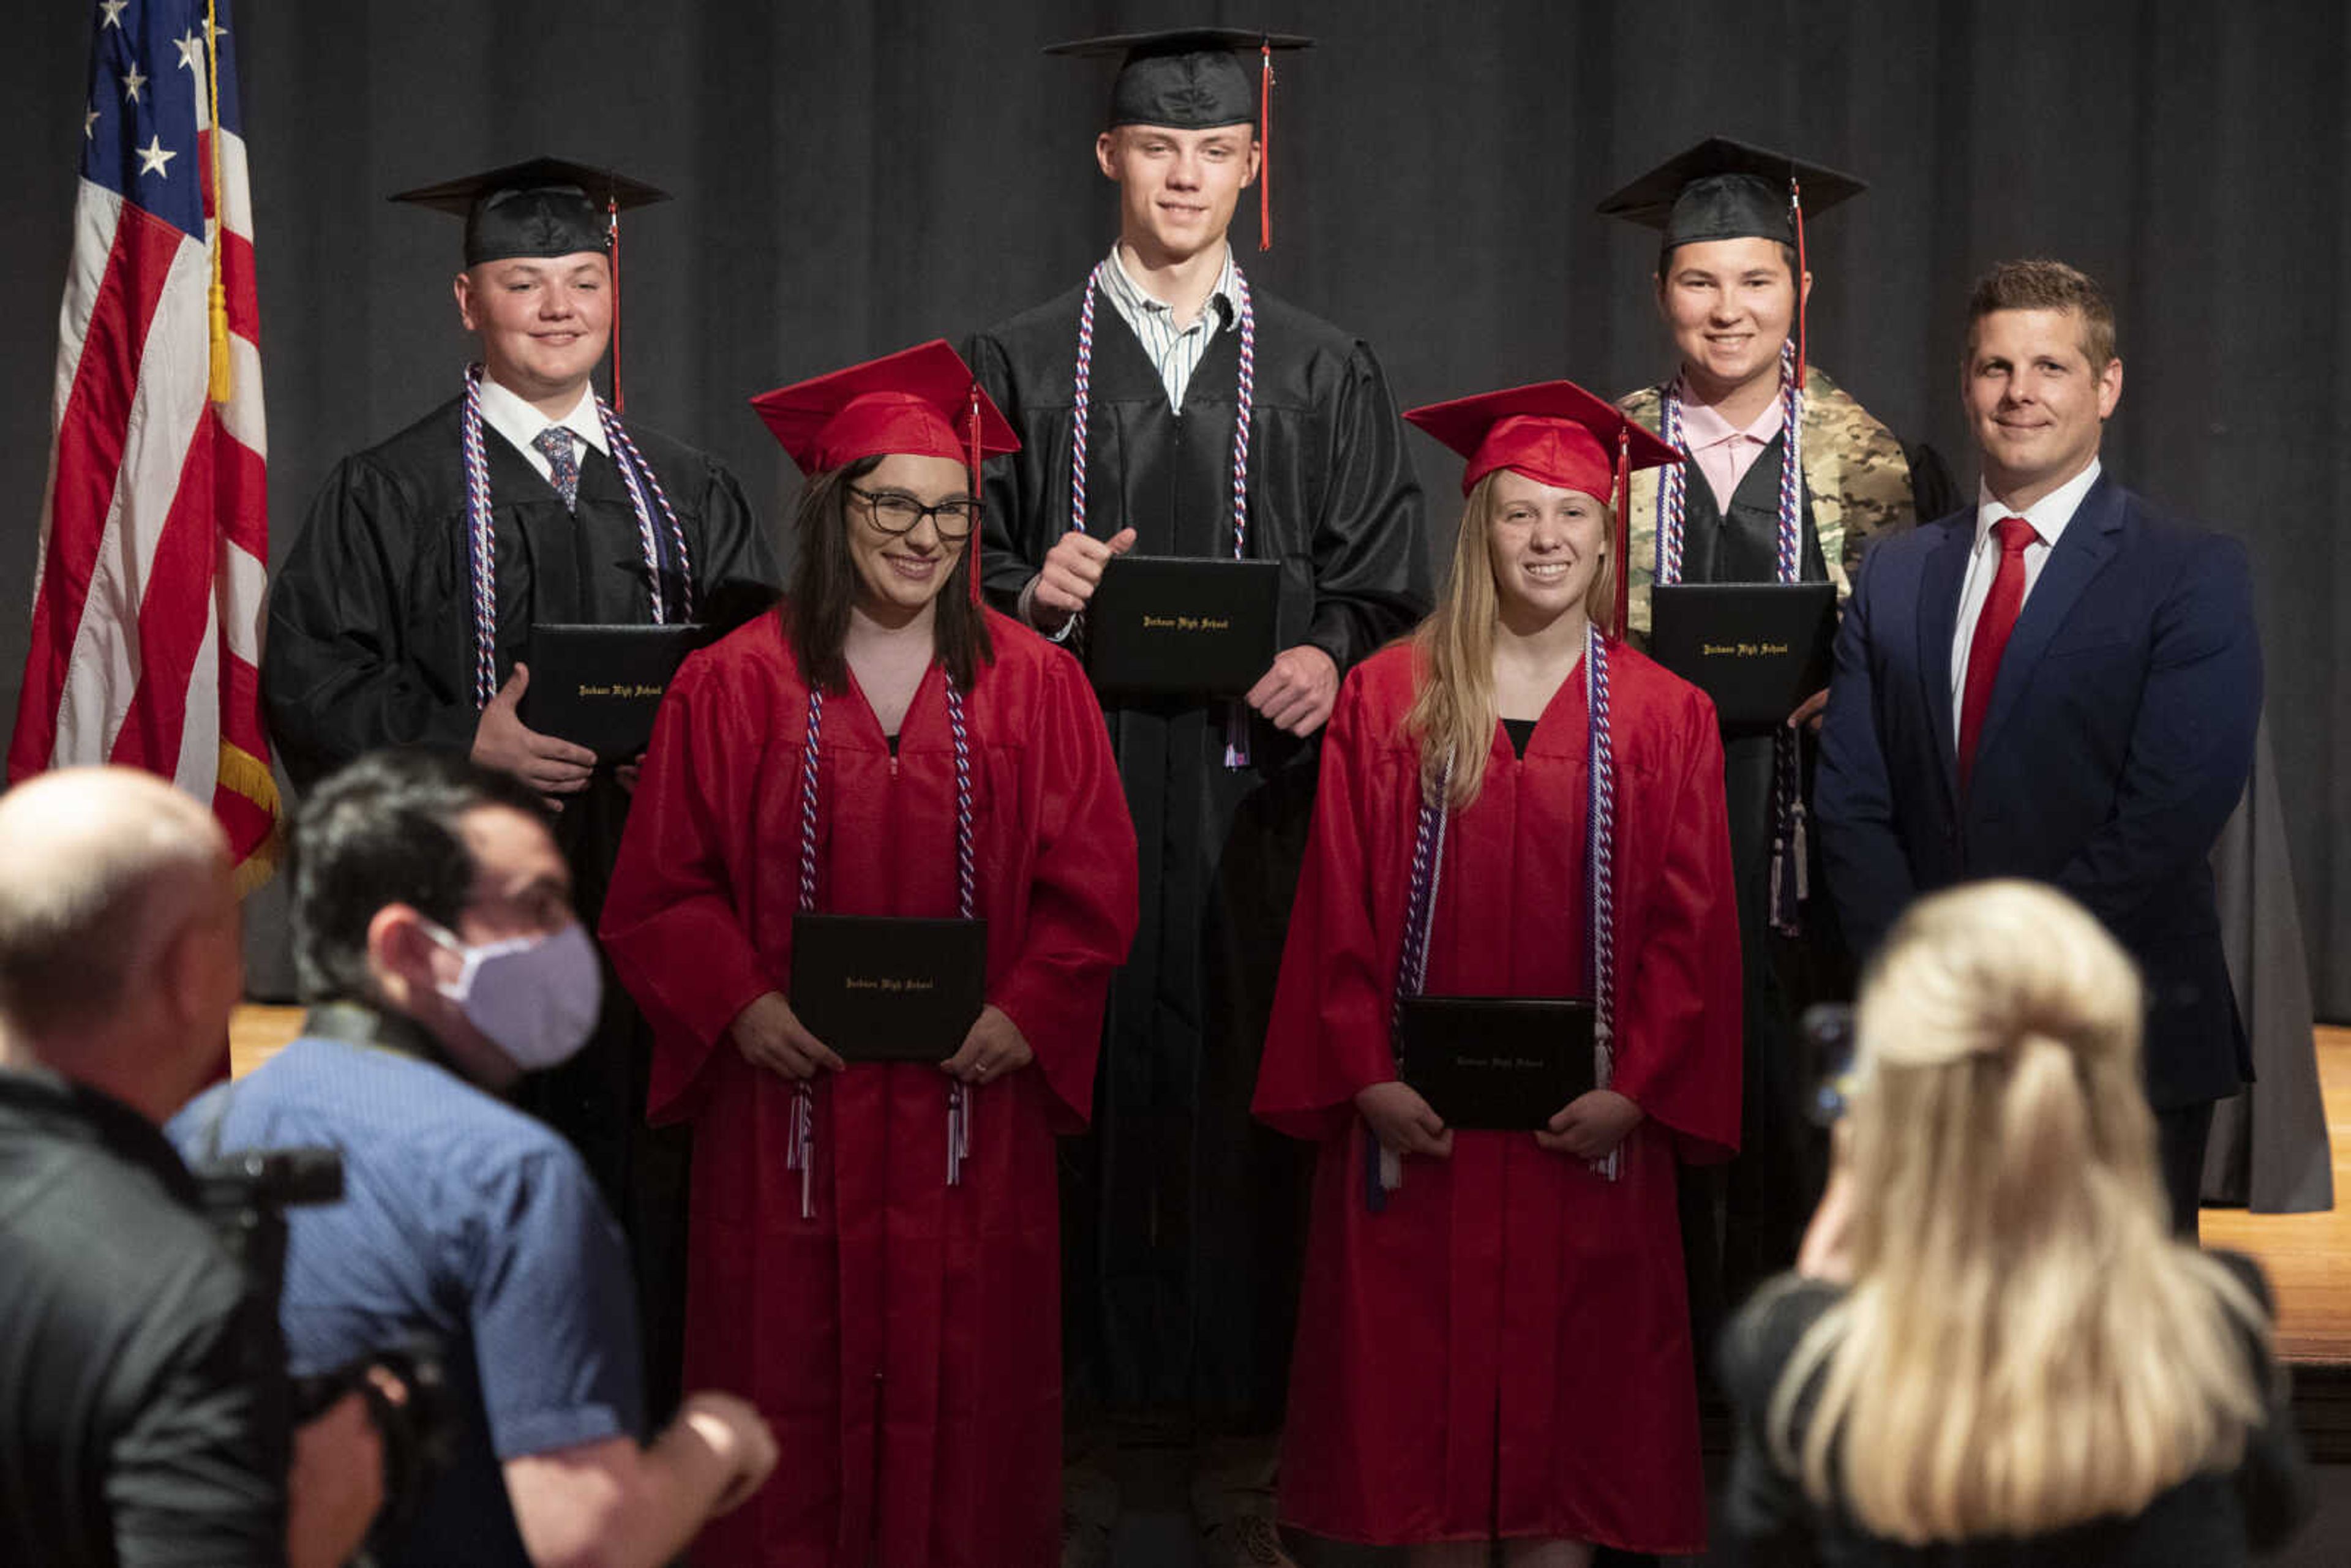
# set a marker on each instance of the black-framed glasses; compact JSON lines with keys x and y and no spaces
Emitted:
{"x":895,"y":513}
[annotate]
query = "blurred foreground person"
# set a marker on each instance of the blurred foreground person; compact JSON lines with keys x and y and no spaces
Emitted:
{"x":143,"y":1403}
{"x":1995,"y":1350}
{"x":435,"y":940}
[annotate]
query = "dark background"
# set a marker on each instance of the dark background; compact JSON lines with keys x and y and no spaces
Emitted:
{"x":854,"y":178}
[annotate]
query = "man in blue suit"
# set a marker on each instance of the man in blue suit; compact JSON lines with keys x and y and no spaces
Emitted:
{"x":2059,"y":682}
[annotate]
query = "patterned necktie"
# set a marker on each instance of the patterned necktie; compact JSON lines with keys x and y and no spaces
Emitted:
{"x":563,"y":468}
{"x":1997,"y":620}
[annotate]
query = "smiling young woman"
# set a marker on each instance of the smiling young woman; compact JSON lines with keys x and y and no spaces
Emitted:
{"x":880,"y":746}
{"x":1513,"y":804}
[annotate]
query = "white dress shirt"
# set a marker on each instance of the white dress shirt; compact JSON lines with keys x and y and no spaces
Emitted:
{"x":2048,"y":517}
{"x":520,"y":423}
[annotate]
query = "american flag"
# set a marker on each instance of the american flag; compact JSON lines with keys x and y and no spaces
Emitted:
{"x":146,"y":640}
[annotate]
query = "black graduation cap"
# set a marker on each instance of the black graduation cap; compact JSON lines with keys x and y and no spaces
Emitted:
{"x":544,"y":207}
{"x":547,"y":207}
{"x":1722,"y":189}
{"x":1192,"y":78}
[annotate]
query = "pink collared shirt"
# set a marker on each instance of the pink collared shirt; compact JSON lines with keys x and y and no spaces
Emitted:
{"x":1724,"y":453}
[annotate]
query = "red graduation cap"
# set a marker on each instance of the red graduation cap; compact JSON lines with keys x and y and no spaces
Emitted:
{"x":1556,"y":433}
{"x":922,"y":402}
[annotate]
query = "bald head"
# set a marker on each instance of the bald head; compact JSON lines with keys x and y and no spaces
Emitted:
{"x":108,"y":870}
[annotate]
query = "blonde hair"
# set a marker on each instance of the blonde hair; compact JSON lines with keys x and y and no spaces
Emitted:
{"x":1453,"y":712}
{"x":2024,"y":1345}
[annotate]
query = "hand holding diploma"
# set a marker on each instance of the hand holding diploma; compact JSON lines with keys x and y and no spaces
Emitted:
{"x":1298,"y":692}
{"x":1072,"y":570}
{"x":1403,"y":1121}
{"x":994,"y":1047}
{"x":1591,"y":1125}
{"x":501,"y":740}
{"x":769,"y":1035}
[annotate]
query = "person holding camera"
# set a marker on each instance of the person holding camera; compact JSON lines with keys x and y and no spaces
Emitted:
{"x":435,"y":938}
{"x":143,"y":1403}
{"x":1995,"y":1350}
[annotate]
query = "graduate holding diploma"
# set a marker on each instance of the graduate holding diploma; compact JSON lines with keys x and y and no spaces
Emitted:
{"x":874,"y":1250}
{"x":1492,"y":1339}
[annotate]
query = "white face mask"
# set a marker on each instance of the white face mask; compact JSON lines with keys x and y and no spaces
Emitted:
{"x":536,"y":997}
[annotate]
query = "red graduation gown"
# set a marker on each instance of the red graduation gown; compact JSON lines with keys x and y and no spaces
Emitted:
{"x":904,"y":1342}
{"x":1504,"y":1350}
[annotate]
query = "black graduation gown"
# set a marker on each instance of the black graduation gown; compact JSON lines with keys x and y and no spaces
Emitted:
{"x":371,"y":644}
{"x":1183,"y":1218}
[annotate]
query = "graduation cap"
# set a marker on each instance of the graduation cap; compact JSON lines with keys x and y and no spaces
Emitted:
{"x":1557,"y":434}
{"x":544,"y":207}
{"x":922,"y":402}
{"x":1722,"y":189}
{"x":1192,"y":78}
{"x":541,"y":208}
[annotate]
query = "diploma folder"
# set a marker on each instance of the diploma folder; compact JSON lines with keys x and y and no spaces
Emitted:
{"x":880,"y":988}
{"x":598,"y":687}
{"x":1182,"y":625}
{"x":1497,"y":1064}
{"x":1758,"y":649}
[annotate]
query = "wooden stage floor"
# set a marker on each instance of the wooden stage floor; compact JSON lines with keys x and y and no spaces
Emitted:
{"x":2308,"y":1256}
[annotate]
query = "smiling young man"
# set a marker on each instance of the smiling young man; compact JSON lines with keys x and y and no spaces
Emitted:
{"x":2059,"y":682}
{"x":403,"y":611}
{"x":1167,"y":406}
{"x":1731,"y":288}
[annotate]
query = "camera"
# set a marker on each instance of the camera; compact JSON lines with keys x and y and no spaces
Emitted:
{"x":1828,"y":1066}
{"x":245,"y":1195}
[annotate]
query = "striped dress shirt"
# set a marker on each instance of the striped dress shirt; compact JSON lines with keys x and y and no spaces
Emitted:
{"x":1174,"y":352}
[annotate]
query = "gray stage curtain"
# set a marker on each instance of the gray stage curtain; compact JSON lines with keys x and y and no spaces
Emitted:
{"x":2269,"y":1150}
{"x":856,"y":176}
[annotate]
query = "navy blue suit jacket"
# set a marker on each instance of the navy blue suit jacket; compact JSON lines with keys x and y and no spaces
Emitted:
{"x":2117,"y":742}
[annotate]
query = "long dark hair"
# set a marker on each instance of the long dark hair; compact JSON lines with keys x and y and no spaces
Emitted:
{"x":824,"y":585}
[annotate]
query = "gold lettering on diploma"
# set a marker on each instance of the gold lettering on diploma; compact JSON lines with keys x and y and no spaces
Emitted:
{"x":888,"y":984}
{"x":621,"y":691}
{"x":1187,"y":623}
{"x":1740,"y":650}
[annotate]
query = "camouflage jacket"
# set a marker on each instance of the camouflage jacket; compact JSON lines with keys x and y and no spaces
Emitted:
{"x":1856,"y":477}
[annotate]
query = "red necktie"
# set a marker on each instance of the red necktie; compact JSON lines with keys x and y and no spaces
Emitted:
{"x":1997,"y":620}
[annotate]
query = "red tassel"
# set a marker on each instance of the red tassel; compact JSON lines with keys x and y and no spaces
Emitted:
{"x":1796,"y":205}
{"x":971,"y":548}
{"x":1622,"y":541}
{"x":1265,"y":145}
{"x":613,"y":243}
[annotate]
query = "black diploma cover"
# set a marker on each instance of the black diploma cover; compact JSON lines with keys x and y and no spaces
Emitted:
{"x":1181,"y":625}
{"x":598,"y":687}
{"x":1758,"y":649}
{"x":1497,"y":1064}
{"x":881,"y":989}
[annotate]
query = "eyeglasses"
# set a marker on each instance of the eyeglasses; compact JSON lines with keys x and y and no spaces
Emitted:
{"x":896,"y":513}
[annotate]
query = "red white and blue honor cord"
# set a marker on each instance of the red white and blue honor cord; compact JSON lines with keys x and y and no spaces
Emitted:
{"x":646,"y":496}
{"x":1383,"y":1171}
{"x":1081,"y":404}
{"x":800,"y":1153}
